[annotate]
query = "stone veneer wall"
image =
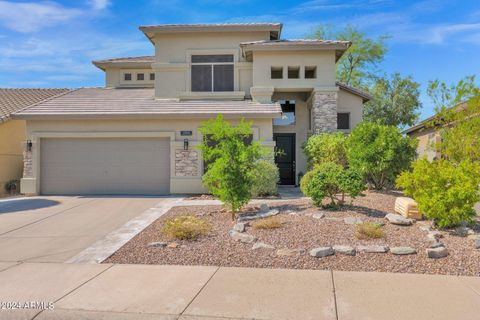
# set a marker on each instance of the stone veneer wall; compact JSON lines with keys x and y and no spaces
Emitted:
{"x":28,"y":163}
{"x":324,"y":107}
{"x":186,"y":163}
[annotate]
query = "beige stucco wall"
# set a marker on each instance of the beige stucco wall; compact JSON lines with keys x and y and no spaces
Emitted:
{"x":324,"y":61}
{"x":426,"y":139}
{"x":353,"y":104}
{"x":36,"y":130}
{"x":12,"y":135}
{"x":114,"y":77}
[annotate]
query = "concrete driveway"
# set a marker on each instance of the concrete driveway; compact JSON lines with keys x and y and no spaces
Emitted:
{"x":56,"y":228}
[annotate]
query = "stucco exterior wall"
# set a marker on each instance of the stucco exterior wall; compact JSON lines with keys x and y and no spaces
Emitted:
{"x":353,"y":104}
{"x":12,"y":135}
{"x":186,"y":168}
{"x":426,"y":139}
{"x":114,"y":78}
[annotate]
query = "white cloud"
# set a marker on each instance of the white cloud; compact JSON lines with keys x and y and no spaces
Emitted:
{"x":440,"y":33}
{"x":99,"y":4}
{"x":33,"y":16}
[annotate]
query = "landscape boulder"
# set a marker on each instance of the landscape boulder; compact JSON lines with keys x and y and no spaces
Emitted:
{"x":373,"y":249}
{"x":402,"y":250}
{"x":437,"y":253}
{"x":347,"y":250}
{"x":242,"y":237}
{"x":321,"y":252}
{"x":399,"y":220}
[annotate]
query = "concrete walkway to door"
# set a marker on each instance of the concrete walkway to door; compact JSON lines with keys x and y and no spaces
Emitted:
{"x":140,"y":292}
{"x":56,"y":228}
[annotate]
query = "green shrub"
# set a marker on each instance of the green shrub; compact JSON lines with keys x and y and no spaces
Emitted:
{"x":326,"y":147}
{"x":369,"y":230}
{"x":328,"y":180}
{"x":379,"y":153}
{"x":267,"y":223}
{"x":265,"y":179}
{"x":231,"y":161}
{"x":445,"y":192}
{"x":185,"y":227}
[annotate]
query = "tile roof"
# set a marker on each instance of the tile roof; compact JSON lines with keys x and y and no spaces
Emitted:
{"x":365,"y":95}
{"x":141,"y":61}
{"x":12,"y":100}
{"x":100,"y":103}
{"x":129,"y":59}
{"x":286,"y":42}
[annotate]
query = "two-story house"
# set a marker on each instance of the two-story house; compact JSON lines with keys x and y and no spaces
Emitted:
{"x":139,"y":134}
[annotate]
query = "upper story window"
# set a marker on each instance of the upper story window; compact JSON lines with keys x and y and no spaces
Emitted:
{"x":310,"y":72}
{"x":343,"y":121}
{"x":212,"y":73}
{"x":152,"y":76}
{"x":288,"y":114}
{"x":140,"y":76}
{"x":276,"y":73}
{"x":293,"y":72}
{"x":127,"y":76}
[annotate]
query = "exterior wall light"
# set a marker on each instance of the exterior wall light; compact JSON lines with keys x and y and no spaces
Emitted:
{"x":185,"y":144}
{"x":29,"y":145}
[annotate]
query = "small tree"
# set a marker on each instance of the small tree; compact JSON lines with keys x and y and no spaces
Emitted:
{"x":330,"y":180}
{"x":265,"y":178}
{"x":231,"y":161}
{"x":379,"y":153}
{"x":326,"y":147}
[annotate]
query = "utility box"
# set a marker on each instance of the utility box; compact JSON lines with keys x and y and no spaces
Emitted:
{"x":408,"y":208}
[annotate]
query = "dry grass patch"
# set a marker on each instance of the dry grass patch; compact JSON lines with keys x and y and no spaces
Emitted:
{"x":267,"y":223}
{"x":369,"y":230}
{"x":186,"y":227}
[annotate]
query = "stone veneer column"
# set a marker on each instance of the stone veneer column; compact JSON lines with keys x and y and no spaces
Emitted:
{"x":324,"y":111}
{"x":28,"y":162}
{"x":186,"y":163}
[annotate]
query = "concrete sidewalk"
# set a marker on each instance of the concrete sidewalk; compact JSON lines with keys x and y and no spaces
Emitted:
{"x":105,"y":291}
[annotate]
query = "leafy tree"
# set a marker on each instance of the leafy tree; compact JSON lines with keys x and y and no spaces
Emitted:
{"x":265,"y":178}
{"x":445,"y":192}
{"x":326,"y":147}
{"x":361,"y":60}
{"x":328,"y":180}
{"x":395,"y":101}
{"x":231,"y":161}
{"x":379,"y":153}
{"x":446,"y":96}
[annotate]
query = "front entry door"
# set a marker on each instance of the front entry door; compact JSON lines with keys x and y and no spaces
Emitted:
{"x":285,"y":157}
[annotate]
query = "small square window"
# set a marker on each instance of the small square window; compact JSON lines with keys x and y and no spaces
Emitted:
{"x":127,"y":77}
{"x":277,"y":73}
{"x":152,"y":76}
{"x":310,"y":72}
{"x":140,"y":76}
{"x":293,"y":72}
{"x":343,"y":121}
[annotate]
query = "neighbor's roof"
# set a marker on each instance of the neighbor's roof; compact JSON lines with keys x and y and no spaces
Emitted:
{"x":274,"y":28}
{"x":12,"y":100}
{"x":366,"y":96}
{"x":99,"y":103}
{"x":141,"y":61}
{"x":339,"y":46}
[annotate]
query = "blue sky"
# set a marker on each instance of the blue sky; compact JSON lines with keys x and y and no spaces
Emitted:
{"x":51,"y":43}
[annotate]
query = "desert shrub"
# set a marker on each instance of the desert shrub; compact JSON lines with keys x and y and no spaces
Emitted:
{"x":329,"y":180}
{"x":231,"y":161}
{"x":265,"y":179}
{"x":445,"y":192}
{"x":12,"y":186}
{"x":267,"y":223}
{"x":379,"y":153}
{"x":369,"y":230}
{"x":185,"y":227}
{"x":326,"y":147}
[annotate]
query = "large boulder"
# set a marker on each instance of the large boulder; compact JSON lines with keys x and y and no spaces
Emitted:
{"x":399,"y":220}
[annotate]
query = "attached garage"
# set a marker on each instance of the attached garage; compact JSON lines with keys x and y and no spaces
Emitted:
{"x":111,"y":166}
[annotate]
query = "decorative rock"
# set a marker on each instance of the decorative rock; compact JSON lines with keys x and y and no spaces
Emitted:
{"x":239,"y":227}
{"x":347,"y":250}
{"x":402,"y":250}
{"x":242,"y":237}
{"x":425,"y":228}
{"x":259,"y":215}
{"x":477,"y":244}
{"x":334,"y":219}
{"x":473,"y":236}
{"x":352,"y":220}
{"x":436,"y":244}
{"x":290,"y":252}
{"x":437,"y":253}
{"x":261,"y":245}
{"x":398,"y":219}
{"x":264,"y":207}
{"x":157,"y":244}
{"x":373,"y":249}
{"x":436,"y":234}
{"x":318,"y":215}
{"x":322,"y":252}
{"x":461,"y":231}
{"x":173,"y":245}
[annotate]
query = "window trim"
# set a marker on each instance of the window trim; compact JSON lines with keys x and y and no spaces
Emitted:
{"x":125,"y":76}
{"x":212,"y":69}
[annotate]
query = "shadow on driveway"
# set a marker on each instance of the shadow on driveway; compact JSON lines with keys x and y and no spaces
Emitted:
{"x":26,"y":204}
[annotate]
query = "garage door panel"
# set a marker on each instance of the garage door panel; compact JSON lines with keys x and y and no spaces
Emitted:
{"x":105,"y":166}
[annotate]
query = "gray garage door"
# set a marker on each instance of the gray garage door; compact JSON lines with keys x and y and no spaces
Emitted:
{"x":105,"y":166}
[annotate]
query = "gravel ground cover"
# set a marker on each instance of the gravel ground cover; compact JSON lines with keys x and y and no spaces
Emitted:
{"x":300,"y":230}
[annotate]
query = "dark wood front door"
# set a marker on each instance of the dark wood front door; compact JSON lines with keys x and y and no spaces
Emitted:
{"x":285,"y":157}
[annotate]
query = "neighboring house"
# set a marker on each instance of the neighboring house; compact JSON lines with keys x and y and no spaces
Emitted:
{"x":12,"y":132}
{"x":139,"y":134}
